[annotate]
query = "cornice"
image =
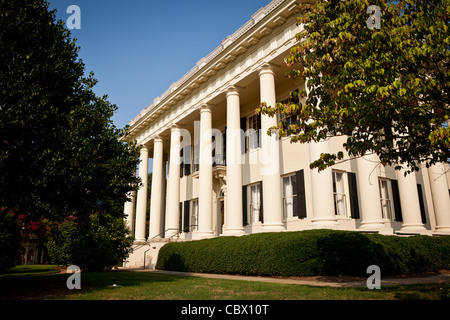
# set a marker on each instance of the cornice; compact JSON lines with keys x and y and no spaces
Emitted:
{"x":262,"y":24}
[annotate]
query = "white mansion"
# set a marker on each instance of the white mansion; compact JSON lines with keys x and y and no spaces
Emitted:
{"x":216,"y":172}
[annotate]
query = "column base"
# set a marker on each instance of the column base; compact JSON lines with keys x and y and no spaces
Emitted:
{"x":442,"y":230}
{"x":374,"y":224}
{"x":324,"y":223}
{"x":233,"y":232}
{"x":203,"y":235}
{"x":413,"y":229}
{"x":273,"y":228}
{"x":155,"y":239}
{"x":139,"y":241}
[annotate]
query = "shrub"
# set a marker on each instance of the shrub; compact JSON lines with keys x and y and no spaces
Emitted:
{"x":97,"y":244}
{"x":307,"y":253}
{"x":9,"y":239}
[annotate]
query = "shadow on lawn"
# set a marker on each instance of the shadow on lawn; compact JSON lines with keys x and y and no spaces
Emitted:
{"x":41,"y":287}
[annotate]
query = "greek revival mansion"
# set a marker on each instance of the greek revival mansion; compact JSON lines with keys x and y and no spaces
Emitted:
{"x":215,"y":171}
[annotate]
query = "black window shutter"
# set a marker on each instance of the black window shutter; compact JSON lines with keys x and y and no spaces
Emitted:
{"x":353,"y":191}
{"x":180,"y":220}
{"x":224,"y":147}
{"x":243,"y":139}
{"x":186,"y":216}
{"x":301,"y":194}
{"x":261,"y":210}
{"x":244,"y":206}
{"x":422,"y":204}
{"x":396,"y":198}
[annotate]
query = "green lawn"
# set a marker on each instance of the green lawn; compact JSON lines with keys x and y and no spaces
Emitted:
{"x":21,"y":284}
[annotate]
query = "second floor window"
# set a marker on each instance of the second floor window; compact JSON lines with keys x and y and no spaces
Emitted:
{"x":196,"y":157}
{"x":254,"y":126}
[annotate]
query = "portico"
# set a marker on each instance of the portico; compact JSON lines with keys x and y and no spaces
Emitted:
{"x":226,"y":177}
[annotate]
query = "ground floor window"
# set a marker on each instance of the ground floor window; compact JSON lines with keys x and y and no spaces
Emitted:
{"x":194,"y":214}
{"x":255,"y":202}
{"x":385,"y":199}
{"x":340,"y":204}
{"x":290,"y":205}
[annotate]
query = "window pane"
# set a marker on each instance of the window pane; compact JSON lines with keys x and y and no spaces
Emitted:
{"x":255,"y":205}
{"x":339,"y":182}
{"x":339,"y":194}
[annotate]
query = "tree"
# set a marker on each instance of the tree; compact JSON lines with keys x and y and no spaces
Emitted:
{"x":386,"y":89}
{"x":60,"y":152}
{"x":9,"y":239}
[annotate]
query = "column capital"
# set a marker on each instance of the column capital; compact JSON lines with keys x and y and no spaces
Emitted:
{"x":176,"y":127}
{"x":267,"y":68}
{"x":157,"y":139}
{"x":233,"y":91}
{"x":205,"y":108}
{"x":144,"y":148}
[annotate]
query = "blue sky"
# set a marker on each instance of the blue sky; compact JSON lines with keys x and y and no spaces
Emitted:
{"x":138,"y":48}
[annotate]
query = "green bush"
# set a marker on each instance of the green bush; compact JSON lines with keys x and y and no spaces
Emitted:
{"x":307,"y":253}
{"x":96,"y":244}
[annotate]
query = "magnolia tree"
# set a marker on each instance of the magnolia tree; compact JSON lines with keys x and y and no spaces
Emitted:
{"x":379,"y":76}
{"x":60,"y":154}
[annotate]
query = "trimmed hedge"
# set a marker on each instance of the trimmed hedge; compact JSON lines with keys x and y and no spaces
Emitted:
{"x":307,"y":253}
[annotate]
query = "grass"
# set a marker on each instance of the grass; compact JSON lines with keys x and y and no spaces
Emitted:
{"x":30,"y":271}
{"x":37,"y":283}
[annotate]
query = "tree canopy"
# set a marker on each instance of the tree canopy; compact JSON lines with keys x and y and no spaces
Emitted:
{"x":386,"y":89}
{"x":60,"y":151}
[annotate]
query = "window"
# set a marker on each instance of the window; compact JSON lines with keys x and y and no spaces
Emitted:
{"x":254,"y":125}
{"x":385,"y":200}
{"x":196,"y":159}
{"x":290,"y":120}
{"x":255,"y":202}
{"x":194,"y":214}
{"x":219,"y":149}
{"x":340,"y":206}
{"x":290,"y":205}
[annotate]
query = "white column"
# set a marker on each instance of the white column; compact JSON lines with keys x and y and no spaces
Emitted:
{"x":205,"y":175}
{"x":157,"y":190}
{"x":321,"y":186}
{"x":270,"y":156}
{"x":141,"y":210}
{"x":173,"y":184}
{"x":409,"y":200}
{"x":322,"y":189}
{"x":129,"y":210}
{"x":233,"y":213}
{"x":371,"y":215}
{"x":441,"y":200}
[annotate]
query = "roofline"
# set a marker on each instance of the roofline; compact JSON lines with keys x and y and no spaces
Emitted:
{"x":202,"y":66}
